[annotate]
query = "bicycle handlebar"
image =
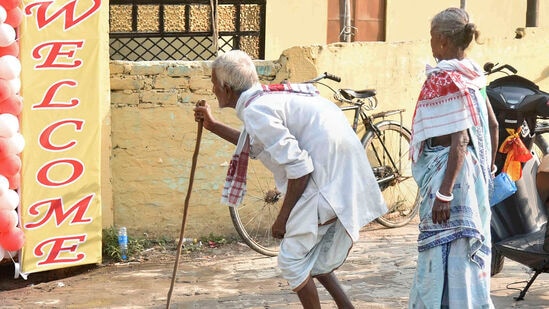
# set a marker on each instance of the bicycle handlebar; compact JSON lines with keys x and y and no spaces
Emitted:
{"x":325,"y":75}
{"x":332,"y":77}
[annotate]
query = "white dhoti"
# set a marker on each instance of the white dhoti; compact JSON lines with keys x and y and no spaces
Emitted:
{"x":296,"y":135}
{"x":311,"y":248}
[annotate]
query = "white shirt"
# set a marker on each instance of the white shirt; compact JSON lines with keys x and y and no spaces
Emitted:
{"x":294,"y":135}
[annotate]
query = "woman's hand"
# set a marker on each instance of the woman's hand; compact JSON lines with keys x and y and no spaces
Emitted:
{"x":202,"y":112}
{"x":441,"y":211}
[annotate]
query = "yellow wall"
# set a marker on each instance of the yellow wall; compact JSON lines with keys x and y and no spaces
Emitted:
{"x":301,"y":23}
{"x":498,"y":18}
{"x":153,"y":130}
{"x":543,"y":18}
{"x":290,"y":23}
{"x":410,"y":20}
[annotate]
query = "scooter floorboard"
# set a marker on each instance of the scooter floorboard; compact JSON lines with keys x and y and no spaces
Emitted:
{"x":526,"y":249}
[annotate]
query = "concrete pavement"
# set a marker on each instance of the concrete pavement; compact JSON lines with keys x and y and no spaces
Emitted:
{"x":378,"y":274}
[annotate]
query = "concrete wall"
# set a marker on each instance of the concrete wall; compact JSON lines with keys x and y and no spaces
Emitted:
{"x":301,"y":23}
{"x":494,"y":18}
{"x":153,"y":130}
{"x":153,"y":140}
{"x":292,"y":23}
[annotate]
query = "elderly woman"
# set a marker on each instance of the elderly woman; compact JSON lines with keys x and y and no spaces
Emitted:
{"x":454,"y":139}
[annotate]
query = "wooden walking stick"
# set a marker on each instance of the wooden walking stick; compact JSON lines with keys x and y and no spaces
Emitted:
{"x":186,"y":206}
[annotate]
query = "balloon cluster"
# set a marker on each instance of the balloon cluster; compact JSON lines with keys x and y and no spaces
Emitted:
{"x":11,"y":141}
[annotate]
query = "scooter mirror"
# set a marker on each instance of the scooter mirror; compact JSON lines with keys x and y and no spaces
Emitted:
{"x":488,"y":66}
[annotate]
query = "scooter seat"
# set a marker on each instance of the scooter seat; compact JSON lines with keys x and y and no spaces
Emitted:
{"x":526,"y":249}
{"x":520,"y":102}
{"x":517,"y":93}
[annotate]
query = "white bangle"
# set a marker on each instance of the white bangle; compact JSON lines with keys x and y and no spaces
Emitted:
{"x":494,"y":169}
{"x":444,"y":198}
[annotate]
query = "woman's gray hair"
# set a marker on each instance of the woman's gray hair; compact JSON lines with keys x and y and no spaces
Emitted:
{"x":454,"y":24}
{"x":235,"y":69}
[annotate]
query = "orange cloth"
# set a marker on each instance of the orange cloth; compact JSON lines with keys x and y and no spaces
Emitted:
{"x":517,"y":153}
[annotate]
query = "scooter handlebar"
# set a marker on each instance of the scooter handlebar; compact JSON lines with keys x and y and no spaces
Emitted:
{"x":490,"y":68}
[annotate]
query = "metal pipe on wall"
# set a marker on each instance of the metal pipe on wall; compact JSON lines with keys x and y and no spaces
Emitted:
{"x":532,"y":13}
{"x":347,"y":30}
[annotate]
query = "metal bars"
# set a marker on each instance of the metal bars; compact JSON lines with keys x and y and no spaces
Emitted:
{"x":155,"y":30}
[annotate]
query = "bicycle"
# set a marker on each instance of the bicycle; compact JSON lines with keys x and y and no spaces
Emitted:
{"x":386,"y":143}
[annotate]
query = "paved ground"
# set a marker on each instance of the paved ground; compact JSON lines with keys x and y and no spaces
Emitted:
{"x":377,"y":275}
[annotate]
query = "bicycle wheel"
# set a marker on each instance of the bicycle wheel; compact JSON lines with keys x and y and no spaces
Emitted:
{"x":255,"y":216}
{"x":397,"y":185}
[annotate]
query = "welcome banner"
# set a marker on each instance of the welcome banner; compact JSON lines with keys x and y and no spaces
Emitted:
{"x":64,"y":57}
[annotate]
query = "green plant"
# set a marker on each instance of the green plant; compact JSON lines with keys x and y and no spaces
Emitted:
{"x":214,"y":240}
{"x":111,"y":249}
{"x":137,"y":245}
{"x":110,"y":244}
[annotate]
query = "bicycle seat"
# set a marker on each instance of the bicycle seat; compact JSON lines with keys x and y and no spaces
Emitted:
{"x":350,"y":94}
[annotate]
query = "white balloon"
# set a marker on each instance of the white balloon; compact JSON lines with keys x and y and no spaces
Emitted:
{"x":14,"y":197}
{"x":15,"y":84}
{"x":4,"y":184}
{"x":3,"y":14}
{"x":10,"y":148}
{"x":18,"y":142}
{"x":12,"y":145}
{"x":7,"y":35}
{"x":9,"y":125}
{"x":9,"y":200}
{"x":15,"y":217}
{"x":10,"y":67}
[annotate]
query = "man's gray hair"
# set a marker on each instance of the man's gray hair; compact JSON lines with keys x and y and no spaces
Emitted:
{"x":236,"y":69}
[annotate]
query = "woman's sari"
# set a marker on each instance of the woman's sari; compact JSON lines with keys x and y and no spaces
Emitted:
{"x":453,"y":257}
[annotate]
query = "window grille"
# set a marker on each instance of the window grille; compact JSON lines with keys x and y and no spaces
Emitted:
{"x":150,"y":30}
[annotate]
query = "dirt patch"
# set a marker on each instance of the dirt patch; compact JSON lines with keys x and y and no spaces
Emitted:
{"x":164,"y":254}
{"x":377,"y":274}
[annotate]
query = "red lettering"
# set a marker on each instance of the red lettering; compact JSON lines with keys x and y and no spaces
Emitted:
{"x":44,"y":179}
{"x":55,"y":210}
{"x":45,"y":136}
{"x":59,"y":245}
{"x":47,"y":101}
{"x":57,"y":49}
{"x":42,"y":20}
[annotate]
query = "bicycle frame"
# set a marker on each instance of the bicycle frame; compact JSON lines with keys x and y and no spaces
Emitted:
{"x":382,"y":135}
{"x":371,"y":128}
{"x":360,"y":104}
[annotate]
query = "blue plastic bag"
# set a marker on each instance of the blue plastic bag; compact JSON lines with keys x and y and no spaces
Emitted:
{"x":503,"y":188}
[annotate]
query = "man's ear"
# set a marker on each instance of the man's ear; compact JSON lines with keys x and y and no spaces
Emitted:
{"x":227,"y":88}
{"x":230,"y":93}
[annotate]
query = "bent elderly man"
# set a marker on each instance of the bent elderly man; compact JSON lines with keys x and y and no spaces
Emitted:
{"x":318,"y":163}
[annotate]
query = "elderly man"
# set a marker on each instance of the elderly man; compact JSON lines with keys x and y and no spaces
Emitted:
{"x":318,"y":163}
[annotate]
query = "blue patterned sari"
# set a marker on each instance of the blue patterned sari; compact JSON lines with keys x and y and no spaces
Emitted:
{"x":454,"y":257}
